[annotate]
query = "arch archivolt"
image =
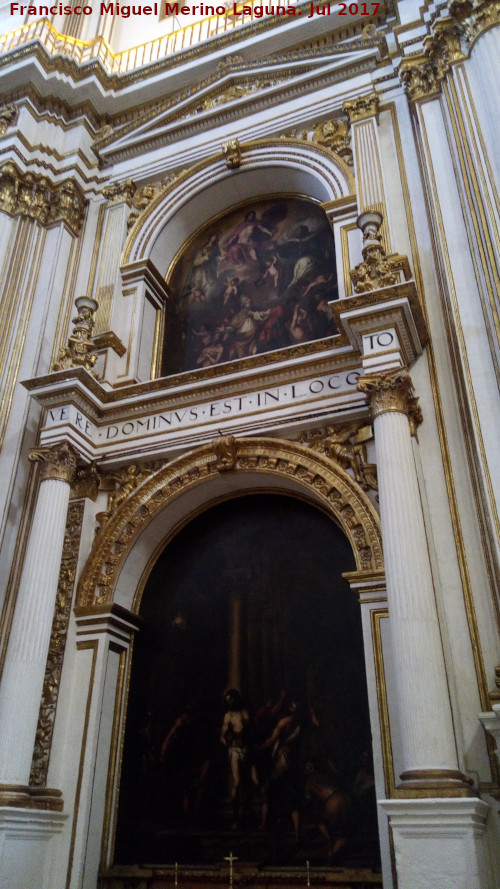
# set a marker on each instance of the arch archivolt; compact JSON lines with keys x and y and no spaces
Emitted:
{"x":222,"y":468}
{"x":268,"y":166}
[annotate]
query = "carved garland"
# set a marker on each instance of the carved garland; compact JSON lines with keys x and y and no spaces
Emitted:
{"x":315,"y":472}
{"x":50,"y":693}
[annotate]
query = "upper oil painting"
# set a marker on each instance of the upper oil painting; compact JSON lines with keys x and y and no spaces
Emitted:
{"x":257,"y":279}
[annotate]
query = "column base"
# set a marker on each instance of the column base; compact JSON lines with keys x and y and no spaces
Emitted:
{"x":434,"y":783}
{"x":29,"y":846}
{"x":439,"y":842}
{"x":21,"y":796}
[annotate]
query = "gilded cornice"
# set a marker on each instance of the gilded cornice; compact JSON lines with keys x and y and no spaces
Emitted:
{"x":473,"y":17}
{"x":421,"y":74}
{"x":34,"y":196}
{"x":120,"y":192}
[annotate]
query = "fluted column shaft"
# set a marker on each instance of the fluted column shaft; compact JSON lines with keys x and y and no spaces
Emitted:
{"x":428,"y":745}
{"x":24,"y":670}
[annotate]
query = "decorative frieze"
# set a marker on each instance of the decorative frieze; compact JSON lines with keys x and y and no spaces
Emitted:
{"x":28,"y":194}
{"x":50,"y":694}
{"x":80,"y":351}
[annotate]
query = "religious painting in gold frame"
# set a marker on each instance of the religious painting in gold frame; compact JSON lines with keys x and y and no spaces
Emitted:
{"x":257,"y":279}
{"x":248,"y":727}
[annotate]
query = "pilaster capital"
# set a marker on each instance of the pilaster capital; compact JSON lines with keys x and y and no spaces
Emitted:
{"x":392,"y":390}
{"x":120,"y":192}
{"x":57,"y":462}
{"x":361,"y":108}
{"x":421,"y":75}
{"x":34,"y":196}
{"x":473,"y":17}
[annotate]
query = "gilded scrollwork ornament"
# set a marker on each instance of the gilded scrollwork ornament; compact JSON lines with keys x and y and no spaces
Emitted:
{"x":226,"y":453}
{"x":56,"y":462}
{"x":334,"y":135}
{"x":392,"y":390}
{"x":120,"y":483}
{"x":232,"y":154}
{"x":377,"y":269}
{"x":421,"y":75}
{"x":80,"y":351}
{"x":346,"y":445}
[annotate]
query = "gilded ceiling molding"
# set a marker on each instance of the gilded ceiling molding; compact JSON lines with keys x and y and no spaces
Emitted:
{"x":8,"y":117}
{"x":56,"y":462}
{"x":474,"y":17}
{"x":361,"y":108}
{"x":80,"y":351}
{"x":392,"y":390}
{"x":34,"y":196}
{"x":421,"y":75}
{"x":313,"y":472}
{"x":53,"y":670}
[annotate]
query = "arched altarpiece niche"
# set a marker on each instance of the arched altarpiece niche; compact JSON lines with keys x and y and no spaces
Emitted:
{"x":176,"y":490}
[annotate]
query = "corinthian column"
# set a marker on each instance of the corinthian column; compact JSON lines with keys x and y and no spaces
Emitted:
{"x":24,"y":669}
{"x":428,"y":745}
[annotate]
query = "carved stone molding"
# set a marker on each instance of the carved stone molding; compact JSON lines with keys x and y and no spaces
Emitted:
{"x":50,"y":693}
{"x":232,"y":154}
{"x":8,"y":117}
{"x":474,"y":17}
{"x":299,"y":465}
{"x":421,"y":75}
{"x":346,"y":445}
{"x":361,"y":108}
{"x":392,"y":390}
{"x":56,"y":462}
{"x":120,"y":192}
{"x":34,"y":196}
{"x":80,"y":351}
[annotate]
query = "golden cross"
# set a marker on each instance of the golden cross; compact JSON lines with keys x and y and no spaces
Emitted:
{"x":231,"y":858}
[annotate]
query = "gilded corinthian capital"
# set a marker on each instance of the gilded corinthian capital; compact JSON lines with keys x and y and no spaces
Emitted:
{"x":56,"y":462}
{"x":474,"y":16}
{"x":392,"y":390}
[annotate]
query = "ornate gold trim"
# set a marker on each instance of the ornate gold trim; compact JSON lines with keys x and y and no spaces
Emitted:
{"x":474,"y":17}
{"x":421,"y":75}
{"x":29,"y":194}
{"x":53,"y":670}
{"x":80,"y":351}
{"x":45,"y":799}
{"x":57,"y":462}
{"x":330,"y":484}
{"x":392,"y":390}
{"x":361,"y":108}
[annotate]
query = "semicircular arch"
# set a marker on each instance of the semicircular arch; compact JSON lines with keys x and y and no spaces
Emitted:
{"x":280,"y":166}
{"x":166,"y":498}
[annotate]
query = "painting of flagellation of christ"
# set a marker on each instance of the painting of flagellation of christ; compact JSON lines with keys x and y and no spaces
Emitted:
{"x":248,"y":727}
{"x":257,"y":279}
